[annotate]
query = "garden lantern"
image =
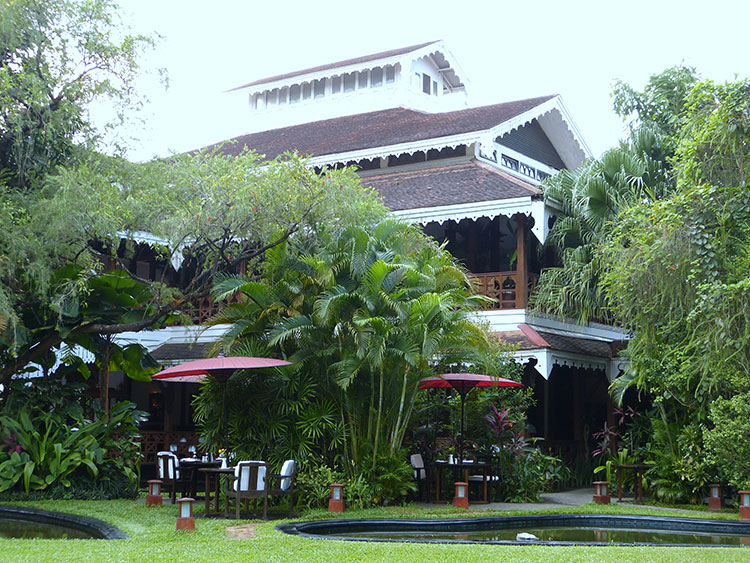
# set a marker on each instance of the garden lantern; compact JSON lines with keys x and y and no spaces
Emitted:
{"x":461,"y":498}
{"x":185,"y":520}
{"x":601,"y":492}
{"x":336,"y":504}
{"x":744,"y":505}
{"x":714,"y":497}
{"x":153,"y":498}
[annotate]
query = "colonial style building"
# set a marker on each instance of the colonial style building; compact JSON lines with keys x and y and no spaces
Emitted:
{"x":469,"y":175}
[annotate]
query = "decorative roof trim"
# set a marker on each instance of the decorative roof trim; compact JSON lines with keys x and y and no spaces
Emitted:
{"x":485,"y":137}
{"x":320,"y":75}
{"x":547,"y":359}
{"x":490,"y":209}
{"x":395,"y":54}
{"x":144,"y":237}
{"x":409,"y":147}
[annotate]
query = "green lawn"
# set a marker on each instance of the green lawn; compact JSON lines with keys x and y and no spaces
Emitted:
{"x":153,"y":538}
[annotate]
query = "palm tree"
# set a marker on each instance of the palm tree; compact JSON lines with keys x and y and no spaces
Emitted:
{"x":590,"y":198}
{"x":369,"y":316}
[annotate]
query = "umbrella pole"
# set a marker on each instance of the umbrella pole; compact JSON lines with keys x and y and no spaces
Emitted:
{"x":226,"y":421}
{"x":461,"y":436}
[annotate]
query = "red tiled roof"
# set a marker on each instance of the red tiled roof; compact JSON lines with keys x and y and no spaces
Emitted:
{"x":358,"y":60}
{"x":451,"y":184}
{"x":377,"y":129}
{"x":562,"y":343}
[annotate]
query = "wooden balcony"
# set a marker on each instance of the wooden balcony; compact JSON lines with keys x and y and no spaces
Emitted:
{"x":503,"y":288}
{"x":202,"y":309}
{"x":154,"y":441}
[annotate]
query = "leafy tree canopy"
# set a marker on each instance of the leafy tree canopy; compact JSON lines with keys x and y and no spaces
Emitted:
{"x":55,"y":59}
{"x":210,"y":212}
{"x":639,"y":170}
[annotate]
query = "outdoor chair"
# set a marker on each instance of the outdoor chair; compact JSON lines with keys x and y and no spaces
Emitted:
{"x":250,"y":483}
{"x":493,"y":477}
{"x":168,"y":468}
{"x":286,"y":482}
{"x":420,"y":474}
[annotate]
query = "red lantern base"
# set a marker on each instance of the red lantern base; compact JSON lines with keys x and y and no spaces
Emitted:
{"x":335,"y":505}
{"x":744,"y":512}
{"x":153,"y":500}
{"x":186,"y":524}
{"x":461,"y":502}
{"x":603,"y":487}
{"x":714,"y":503}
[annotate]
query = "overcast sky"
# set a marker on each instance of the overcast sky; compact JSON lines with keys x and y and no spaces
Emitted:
{"x":509,"y":51}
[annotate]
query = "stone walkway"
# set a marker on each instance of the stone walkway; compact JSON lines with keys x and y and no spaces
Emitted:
{"x":242,"y":532}
{"x":551,"y":501}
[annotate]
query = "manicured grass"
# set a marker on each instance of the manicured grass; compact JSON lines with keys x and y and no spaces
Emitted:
{"x":153,"y":538}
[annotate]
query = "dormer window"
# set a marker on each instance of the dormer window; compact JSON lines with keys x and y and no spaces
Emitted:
{"x":426,"y":83}
{"x":390,"y":74}
{"x":335,"y":85}
{"x":363,"y":79}
{"x":350,"y":82}
{"x":376,"y":77}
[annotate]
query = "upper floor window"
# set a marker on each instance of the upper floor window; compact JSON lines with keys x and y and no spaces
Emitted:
{"x":350,"y":80}
{"x":319,"y":88}
{"x":335,"y":85}
{"x":426,"y":83}
{"x":376,"y":77}
{"x":390,"y":74}
{"x":294,"y":93}
{"x":363,"y":79}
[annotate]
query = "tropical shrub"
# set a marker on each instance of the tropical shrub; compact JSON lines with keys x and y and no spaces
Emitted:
{"x":313,"y":484}
{"x":388,"y":481}
{"x":728,"y":440}
{"x":48,"y":445}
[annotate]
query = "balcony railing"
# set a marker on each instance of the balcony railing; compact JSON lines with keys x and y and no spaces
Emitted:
{"x":503,"y":288}
{"x":201,"y":310}
{"x":154,"y":441}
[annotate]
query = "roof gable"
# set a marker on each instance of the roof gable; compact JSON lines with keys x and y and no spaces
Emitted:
{"x":531,"y":140}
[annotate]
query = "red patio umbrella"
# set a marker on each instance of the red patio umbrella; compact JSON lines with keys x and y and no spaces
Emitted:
{"x":463,"y":383}
{"x":220,"y":368}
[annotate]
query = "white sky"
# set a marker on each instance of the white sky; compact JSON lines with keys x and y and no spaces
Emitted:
{"x":509,"y":51}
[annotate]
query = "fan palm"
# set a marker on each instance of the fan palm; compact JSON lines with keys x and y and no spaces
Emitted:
{"x":590,"y":198}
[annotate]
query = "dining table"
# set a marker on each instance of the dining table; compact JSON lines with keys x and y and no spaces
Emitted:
{"x":216,"y":473}
{"x":461,"y":466}
{"x":638,"y":469}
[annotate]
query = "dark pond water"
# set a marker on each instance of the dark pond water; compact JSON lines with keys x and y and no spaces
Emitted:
{"x":561,"y":534}
{"x":549,"y":529}
{"x":11,"y":528}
